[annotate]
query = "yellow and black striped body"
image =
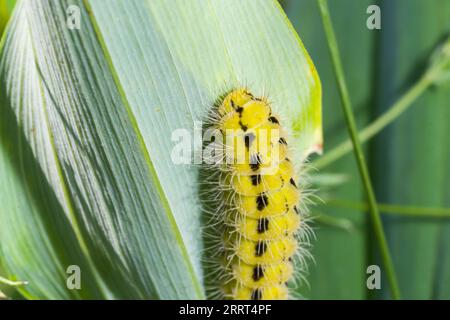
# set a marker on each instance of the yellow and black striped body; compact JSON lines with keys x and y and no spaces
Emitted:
{"x":261,"y":198}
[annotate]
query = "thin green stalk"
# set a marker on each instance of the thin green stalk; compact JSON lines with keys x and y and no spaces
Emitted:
{"x":332,"y":221}
{"x":390,"y":209}
{"x":379,"y":124}
{"x":347,"y":108}
{"x":409,"y":211}
{"x":437,"y":72}
{"x":12,"y":283}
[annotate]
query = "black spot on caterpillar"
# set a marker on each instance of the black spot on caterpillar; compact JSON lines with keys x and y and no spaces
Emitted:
{"x":232,"y":104}
{"x":260,"y":248}
{"x":293,"y":182}
{"x":263,"y":225}
{"x":248,"y":139}
{"x":248,"y":93}
{"x":255,"y":162}
{"x":256,"y":179}
{"x":273,"y":120}
{"x":258,"y":272}
{"x":256,"y":294}
{"x":243,"y":127}
{"x":261,"y":201}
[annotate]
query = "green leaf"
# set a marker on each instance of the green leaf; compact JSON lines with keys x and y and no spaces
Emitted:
{"x":86,"y":175}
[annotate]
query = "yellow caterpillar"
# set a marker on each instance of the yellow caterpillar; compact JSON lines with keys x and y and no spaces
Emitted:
{"x":257,"y":220}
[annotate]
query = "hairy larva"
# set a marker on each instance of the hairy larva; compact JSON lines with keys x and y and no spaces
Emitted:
{"x":254,"y":226}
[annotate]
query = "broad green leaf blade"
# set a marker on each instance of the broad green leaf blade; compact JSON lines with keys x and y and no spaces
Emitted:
{"x":98,"y":113}
{"x":202,"y":60}
{"x":104,"y":182}
{"x":411,"y":159}
{"x":31,"y":224}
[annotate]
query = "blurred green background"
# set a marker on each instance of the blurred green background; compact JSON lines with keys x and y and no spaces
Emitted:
{"x":409,"y":160}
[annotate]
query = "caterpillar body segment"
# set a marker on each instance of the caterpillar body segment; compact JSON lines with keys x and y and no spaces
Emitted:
{"x":259,"y":202}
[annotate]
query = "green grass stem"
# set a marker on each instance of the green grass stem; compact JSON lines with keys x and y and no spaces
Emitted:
{"x":347,"y":108}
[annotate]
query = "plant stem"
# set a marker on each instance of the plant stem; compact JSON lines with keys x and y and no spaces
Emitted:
{"x":332,"y":221}
{"x":409,"y":211}
{"x":347,"y":108}
{"x":12,"y":283}
{"x":379,"y":124}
